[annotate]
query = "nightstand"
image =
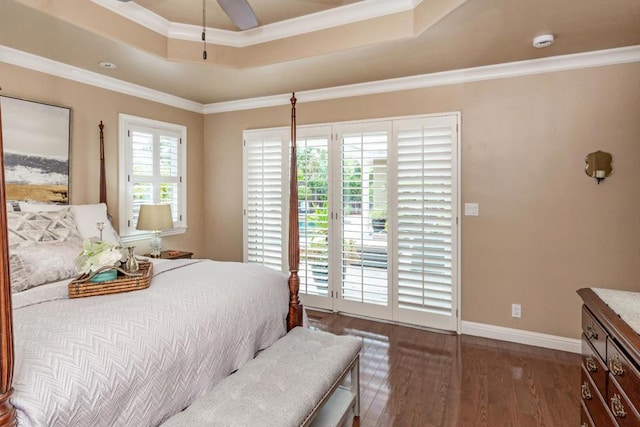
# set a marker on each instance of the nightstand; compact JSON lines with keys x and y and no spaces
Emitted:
{"x":173,"y":254}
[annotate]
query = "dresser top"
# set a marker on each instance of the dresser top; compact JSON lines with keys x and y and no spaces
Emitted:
{"x":624,"y":303}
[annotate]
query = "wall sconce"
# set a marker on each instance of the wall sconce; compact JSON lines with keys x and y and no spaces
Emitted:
{"x":598,"y":165}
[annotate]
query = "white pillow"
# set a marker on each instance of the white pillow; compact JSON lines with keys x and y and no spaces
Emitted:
{"x":40,"y":207}
{"x":87,"y":216}
{"x":36,"y":263}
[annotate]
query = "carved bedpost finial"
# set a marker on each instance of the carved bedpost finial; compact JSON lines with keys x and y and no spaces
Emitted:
{"x":103,"y":178}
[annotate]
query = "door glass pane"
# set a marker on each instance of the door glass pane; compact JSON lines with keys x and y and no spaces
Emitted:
{"x":313,"y":191}
{"x":364,"y":217}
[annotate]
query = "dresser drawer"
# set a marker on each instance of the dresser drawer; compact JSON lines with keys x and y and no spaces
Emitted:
{"x":594,"y":366}
{"x":594,"y":333}
{"x":624,"y":413}
{"x":595,"y":404}
{"x":624,"y":372}
{"x":585,"y":418}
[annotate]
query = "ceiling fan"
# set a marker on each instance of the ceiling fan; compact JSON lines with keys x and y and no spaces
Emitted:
{"x":239,"y":11}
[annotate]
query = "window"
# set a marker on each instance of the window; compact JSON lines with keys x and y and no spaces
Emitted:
{"x":378,"y":207}
{"x":152,"y":165}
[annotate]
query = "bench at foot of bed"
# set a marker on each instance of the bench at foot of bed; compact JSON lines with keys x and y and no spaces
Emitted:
{"x":301,"y":380}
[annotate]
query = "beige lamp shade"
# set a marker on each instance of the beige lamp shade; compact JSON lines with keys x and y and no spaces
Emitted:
{"x":154,"y":218}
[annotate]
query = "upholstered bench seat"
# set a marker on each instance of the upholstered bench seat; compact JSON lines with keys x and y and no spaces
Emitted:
{"x":288,"y":384}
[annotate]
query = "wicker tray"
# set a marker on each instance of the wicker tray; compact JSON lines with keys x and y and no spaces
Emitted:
{"x":125,"y":282}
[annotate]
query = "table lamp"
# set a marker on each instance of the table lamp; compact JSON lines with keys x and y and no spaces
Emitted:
{"x":155,"y":218}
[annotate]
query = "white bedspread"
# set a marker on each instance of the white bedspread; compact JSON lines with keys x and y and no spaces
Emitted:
{"x":134,"y":359}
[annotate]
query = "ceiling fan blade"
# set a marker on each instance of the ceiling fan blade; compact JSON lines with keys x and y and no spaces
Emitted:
{"x":240,"y":13}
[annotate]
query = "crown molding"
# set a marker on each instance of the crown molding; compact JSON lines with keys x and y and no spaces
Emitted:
{"x":468,"y":75}
{"x":330,"y":18}
{"x":138,"y":14}
{"x":489,"y":72}
{"x":59,"y":69}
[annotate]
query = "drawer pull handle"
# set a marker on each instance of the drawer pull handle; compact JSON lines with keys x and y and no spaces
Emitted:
{"x":586,"y":392}
{"x":615,"y":366}
{"x":591,"y":332}
{"x":591,"y":364}
{"x":616,"y":406}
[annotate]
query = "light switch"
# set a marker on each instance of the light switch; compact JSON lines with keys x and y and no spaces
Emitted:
{"x":471,"y":209}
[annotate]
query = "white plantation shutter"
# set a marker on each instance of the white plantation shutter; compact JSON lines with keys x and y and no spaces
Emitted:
{"x":153,"y":158}
{"x":169,"y":181}
{"x":265,"y":175}
{"x":141,"y":176}
{"x":426,"y":218}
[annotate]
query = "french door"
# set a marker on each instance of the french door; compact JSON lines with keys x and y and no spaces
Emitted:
{"x":342,"y":193}
{"x":361,"y":238}
{"x":378,"y":204}
{"x":314,"y":216}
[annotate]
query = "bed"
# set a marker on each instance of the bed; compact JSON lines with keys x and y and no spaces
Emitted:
{"x":137,"y":358}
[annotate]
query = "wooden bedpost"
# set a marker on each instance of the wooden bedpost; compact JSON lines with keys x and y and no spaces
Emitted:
{"x":103,"y":179}
{"x":7,"y":411}
{"x":295,"y":308}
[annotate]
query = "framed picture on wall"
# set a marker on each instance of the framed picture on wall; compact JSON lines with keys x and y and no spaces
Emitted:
{"x":37,"y":141}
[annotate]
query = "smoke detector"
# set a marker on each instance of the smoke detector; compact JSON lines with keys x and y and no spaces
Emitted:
{"x":544,"y":40}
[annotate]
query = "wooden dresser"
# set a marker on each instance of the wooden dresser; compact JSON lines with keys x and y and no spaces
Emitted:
{"x":610,"y":382}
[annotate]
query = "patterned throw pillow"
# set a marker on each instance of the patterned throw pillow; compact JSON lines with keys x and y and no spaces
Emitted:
{"x":56,"y":226}
{"x":32,"y":264}
{"x":86,"y":216}
{"x":42,"y":247}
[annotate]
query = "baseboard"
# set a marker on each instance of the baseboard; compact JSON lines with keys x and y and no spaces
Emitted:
{"x":500,"y":333}
{"x":522,"y":337}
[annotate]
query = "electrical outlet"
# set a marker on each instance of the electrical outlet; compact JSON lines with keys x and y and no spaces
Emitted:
{"x":516,"y":310}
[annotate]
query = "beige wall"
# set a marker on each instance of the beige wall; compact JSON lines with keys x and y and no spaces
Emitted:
{"x":545,"y":229}
{"x":90,"y":105}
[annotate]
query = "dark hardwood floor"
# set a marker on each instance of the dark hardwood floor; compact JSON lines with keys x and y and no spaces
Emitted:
{"x":413,"y":377}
